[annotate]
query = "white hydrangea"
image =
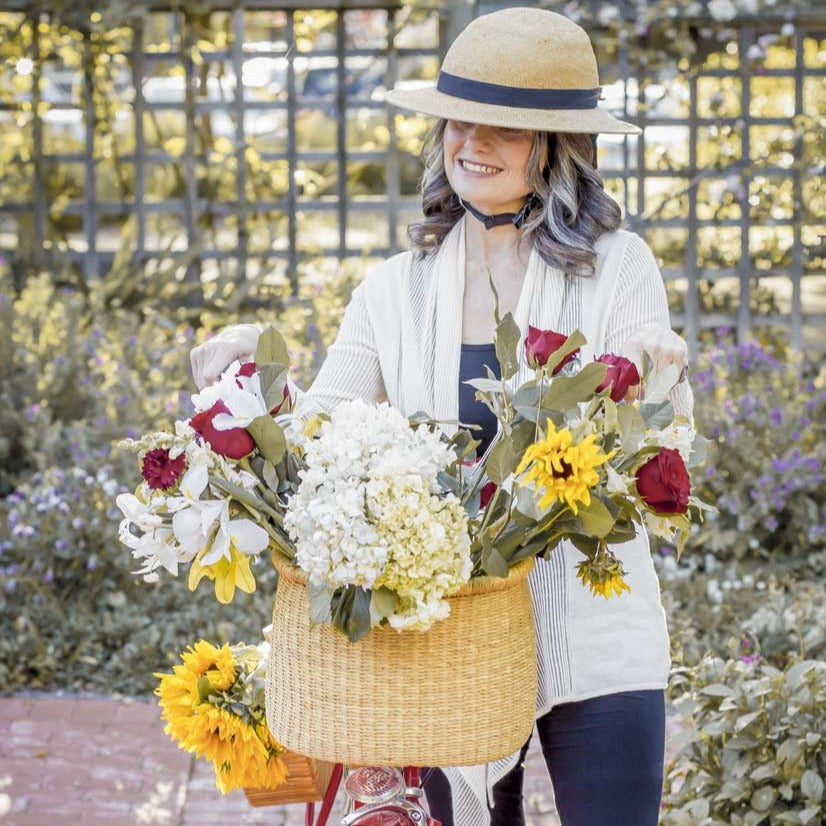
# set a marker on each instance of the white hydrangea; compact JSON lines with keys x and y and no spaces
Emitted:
{"x":370,"y":511}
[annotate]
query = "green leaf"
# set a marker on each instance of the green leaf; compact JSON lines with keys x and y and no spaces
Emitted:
{"x":657,"y":416}
{"x":632,"y":427}
{"x":763,"y":798}
{"x":485,"y":385}
{"x":811,"y":784}
{"x":507,"y":338}
{"x":597,"y":520}
{"x":807,"y":815}
{"x":574,"y":342}
{"x":271,"y":348}
{"x":269,"y":438}
{"x":270,"y":475}
{"x":567,"y":391}
{"x":492,"y":562}
{"x":383,"y":604}
{"x":351,"y":611}
{"x":320,"y":597}
{"x":717,"y":690}
{"x":501,"y":462}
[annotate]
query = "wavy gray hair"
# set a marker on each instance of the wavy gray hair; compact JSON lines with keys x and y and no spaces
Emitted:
{"x":573,"y":209}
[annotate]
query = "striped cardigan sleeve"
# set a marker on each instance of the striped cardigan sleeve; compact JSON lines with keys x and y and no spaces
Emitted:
{"x":640,"y":299}
{"x":351,"y":369}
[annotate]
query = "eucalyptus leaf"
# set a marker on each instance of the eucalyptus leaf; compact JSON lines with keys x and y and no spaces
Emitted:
{"x":485,"y":385}
{"x":507,"y":338}
{"x":502,"y":462}
{"x":811,"y":784}
{"x":269,"y":438}
{"x":320,"y":597}
{"x":657,"y":416}
{"x":383,"y":604}
{"x":575,"y":341}
{"x":566,"y":392}
{"x":597,"y":519}
{"x":632,"y":427}
{"x":271,"y":348}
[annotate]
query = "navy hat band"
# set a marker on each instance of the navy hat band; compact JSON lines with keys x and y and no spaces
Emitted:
{"x":493,"y":93}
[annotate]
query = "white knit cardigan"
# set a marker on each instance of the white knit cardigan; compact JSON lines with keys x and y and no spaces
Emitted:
{"x":400,"y":341}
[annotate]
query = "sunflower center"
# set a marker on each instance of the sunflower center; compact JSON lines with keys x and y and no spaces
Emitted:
{"x":565,"y":470}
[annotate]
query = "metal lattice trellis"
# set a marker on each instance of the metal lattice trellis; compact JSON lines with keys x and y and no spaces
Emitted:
{"x":678,"y":205}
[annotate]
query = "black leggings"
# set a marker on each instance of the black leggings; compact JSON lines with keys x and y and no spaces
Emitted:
{"x":604,"y":756}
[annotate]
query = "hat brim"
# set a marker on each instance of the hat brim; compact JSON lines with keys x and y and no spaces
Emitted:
{"x":430,"y":101}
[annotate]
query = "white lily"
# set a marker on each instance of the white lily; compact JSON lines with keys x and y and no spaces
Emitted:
{"x":216,"y":391}
{"x":137,"y":512}
{"x":155,"y":549}
{"x":245,"y":403}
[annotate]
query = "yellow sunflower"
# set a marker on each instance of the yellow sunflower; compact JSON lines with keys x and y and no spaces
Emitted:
{"x":179,"y":693}
{"x":227,"y":574}
{"x":603,"y":575}
{"x":565,"y":471}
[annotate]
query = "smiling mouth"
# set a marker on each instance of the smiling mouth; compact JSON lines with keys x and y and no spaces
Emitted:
{"x":478,"y":168}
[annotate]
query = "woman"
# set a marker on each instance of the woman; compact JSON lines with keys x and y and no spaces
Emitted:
{"x":511,"y":194}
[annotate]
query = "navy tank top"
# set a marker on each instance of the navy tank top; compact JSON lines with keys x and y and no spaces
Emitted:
{"x":474,"y":359}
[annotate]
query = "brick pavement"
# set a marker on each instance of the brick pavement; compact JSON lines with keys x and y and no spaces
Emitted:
{"x":107,"y":762}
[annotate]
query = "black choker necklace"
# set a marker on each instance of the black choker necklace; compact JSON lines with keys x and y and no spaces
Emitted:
{"x":490,"y":221}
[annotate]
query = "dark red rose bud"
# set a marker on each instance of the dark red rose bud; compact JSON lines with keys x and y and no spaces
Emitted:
{"x":621,"y":375}
{"x":234,"y":443}
{"x":486,"y":493}
{"x":540,"y":345}
{"x":663,"y":482}
{"x":246,"y":369}
{"x":159,"y":470}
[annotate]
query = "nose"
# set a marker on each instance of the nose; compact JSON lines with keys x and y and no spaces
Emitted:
{"x":479,"y":134}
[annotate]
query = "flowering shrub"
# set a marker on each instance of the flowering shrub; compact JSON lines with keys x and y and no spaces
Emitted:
{"x":71,"y":614}
{"x":755,"y":753}
{"x":766,"y":468}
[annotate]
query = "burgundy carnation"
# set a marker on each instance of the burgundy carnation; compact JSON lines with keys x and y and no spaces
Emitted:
{"x":621,"y":375}
{"x":159,"y":470}
{"x":540,"y":345}
{"x":234,"y":443}
{"x":663,"y":482}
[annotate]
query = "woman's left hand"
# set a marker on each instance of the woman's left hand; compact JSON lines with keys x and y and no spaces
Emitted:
{"x":668,"y":351}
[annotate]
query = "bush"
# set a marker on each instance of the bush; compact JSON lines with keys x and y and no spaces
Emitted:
{"x":77,"y":374}
{"x":765,"y":470}
{"x":756,"y":753}
{"x":741,"y":610}
{"x":71,"y":613}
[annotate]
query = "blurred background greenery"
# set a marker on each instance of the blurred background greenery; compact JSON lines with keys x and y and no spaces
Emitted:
{"x":166,"y":172}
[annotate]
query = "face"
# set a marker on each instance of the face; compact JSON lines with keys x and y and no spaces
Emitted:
{"x":486,"y":165}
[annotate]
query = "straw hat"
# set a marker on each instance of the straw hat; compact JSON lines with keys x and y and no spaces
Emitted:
{"x":522,"y":68}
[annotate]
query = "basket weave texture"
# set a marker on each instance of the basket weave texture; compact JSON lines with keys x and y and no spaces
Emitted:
{"x":306,"y":782}
{"x":461,"y":693}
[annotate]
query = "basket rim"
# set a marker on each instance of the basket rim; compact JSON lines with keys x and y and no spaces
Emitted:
{"x":478,"y":585}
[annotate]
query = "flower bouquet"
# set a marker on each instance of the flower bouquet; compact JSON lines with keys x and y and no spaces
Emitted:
{"x":380,"y":524}
{"x":214,"y":707}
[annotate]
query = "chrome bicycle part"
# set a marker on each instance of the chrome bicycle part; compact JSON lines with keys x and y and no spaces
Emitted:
{"x":374,"y":784}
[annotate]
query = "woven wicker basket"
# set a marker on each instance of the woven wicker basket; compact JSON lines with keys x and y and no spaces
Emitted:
{"x":306,"y":782}
{"x":459,"y":694}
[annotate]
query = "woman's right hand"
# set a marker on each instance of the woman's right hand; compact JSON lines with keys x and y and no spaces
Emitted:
{"x":211,"y":358}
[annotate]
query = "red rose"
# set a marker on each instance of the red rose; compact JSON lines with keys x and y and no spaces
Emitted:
{"x":486,"y":493}
{"x":622,"y":373}
{"x":540,"y":345}
{"x":234,"y":443}
{"x":159,"y":470}
{"x":248,"y":369}
{"x":663,"y":482}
